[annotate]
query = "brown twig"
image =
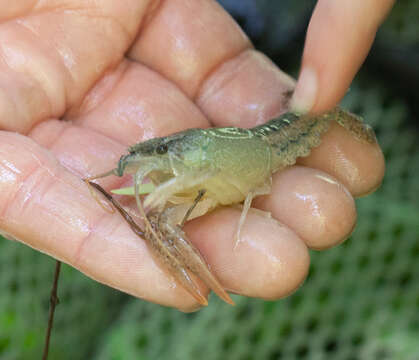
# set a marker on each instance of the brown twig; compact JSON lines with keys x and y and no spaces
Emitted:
{"x":53,"y":301}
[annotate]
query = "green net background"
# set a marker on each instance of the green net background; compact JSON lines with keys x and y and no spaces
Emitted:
{"x":360,"y":301}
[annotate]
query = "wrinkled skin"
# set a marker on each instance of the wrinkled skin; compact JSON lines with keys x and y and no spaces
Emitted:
{"x":122,"y":72}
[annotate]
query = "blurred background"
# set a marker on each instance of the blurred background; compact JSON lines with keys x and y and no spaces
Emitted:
{"x":361,"y":299}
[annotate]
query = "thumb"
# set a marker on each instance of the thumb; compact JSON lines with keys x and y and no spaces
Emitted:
{"x":339,"y":37}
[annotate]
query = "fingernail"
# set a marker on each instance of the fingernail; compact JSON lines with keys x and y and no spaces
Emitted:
{"x":305,"y":92}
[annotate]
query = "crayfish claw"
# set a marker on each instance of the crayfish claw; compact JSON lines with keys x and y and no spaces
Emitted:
{"x":180,"y":255}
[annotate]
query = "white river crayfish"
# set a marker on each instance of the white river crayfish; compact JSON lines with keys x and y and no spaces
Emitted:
{"x":194,"y":171}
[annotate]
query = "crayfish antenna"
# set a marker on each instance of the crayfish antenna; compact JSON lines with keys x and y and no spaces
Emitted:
{"x":89,"y":183}
{"x":127,"y":217}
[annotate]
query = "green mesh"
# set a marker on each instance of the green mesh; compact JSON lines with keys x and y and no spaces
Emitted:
{"x":360,"y":301}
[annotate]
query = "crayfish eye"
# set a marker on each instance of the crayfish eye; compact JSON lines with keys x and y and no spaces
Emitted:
{"x":161,"y":149}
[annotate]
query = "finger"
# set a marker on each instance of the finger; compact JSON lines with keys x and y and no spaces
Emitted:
{"x":357,"y":165}
{"x":72,"y":227}
{"x":339,"y":37}
{"x":53,"y":53}
{"x":245,"y":91}
{"x":318,"y":208}
{"x":185,"y":41}
{"x":270,"y":262}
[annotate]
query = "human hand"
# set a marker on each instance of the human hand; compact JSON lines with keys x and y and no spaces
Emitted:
{"x":122,"y":72}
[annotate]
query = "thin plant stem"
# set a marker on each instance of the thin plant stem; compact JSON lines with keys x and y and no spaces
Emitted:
{"x":53,"y":301}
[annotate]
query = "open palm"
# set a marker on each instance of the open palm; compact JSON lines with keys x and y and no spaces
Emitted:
{"x":80,"y":81}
